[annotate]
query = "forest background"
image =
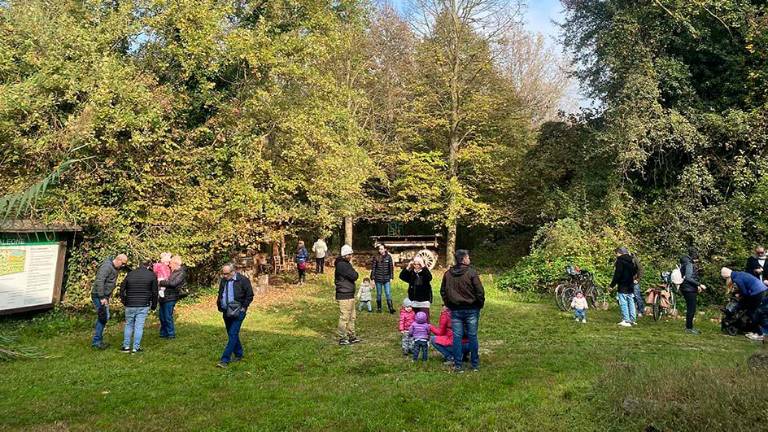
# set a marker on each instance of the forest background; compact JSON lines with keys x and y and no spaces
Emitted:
{"x":216,"y":126}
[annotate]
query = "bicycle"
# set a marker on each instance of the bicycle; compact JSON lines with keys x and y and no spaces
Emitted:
{"x":662,"y":297}
{"x":579,"y":280}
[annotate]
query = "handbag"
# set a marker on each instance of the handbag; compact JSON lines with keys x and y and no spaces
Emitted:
{"x":302,"y":265}
{"x":233,"y":309}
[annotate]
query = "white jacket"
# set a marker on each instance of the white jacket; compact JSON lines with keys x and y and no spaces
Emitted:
{"x":364,"y":294}
{"x":579,"y":303}
{"x":320,"y":249}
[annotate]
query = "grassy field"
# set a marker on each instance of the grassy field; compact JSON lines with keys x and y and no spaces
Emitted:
{"x":539,"y":371}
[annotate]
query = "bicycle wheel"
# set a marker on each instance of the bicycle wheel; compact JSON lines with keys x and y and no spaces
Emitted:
{"x":567,"y":296}
{"x":596,"y":297}
{"x":657,"y":307}
{"x":558,"y":296}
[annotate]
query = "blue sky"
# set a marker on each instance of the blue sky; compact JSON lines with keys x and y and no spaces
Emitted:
{"x":539,"y":16}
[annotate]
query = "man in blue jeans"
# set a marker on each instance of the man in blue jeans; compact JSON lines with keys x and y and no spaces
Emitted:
{"x":235,"y":294}
{"x":382,"y":273}
{"x":138,"y":292}
{"x":463,"y":294}
{"x":624,"y":278}
{"x":106,"y":279}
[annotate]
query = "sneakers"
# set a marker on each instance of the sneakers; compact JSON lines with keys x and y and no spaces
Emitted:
{"x":755,"y":337}
{"x":354,"y":340}
{"x":692,"y":331}
{"x":474,"y":369}
{"x":584,"y":321}
{"x":448,"y":362}
{"x":625,"y":324}
{"x":457,"y":370}
{"x":137,"y":350}
{"x":237,"y":359}
{"x":343,"y":342}
{"x":125,"y":350}
{"x":221,"y":365}
{"x":634,"y":323}
{"x":101,"y":346}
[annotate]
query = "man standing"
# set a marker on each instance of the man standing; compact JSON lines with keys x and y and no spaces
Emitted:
{"x":691,"y":287}
{"x":320,"y":249}
{"x":382,"y":273}
{"x":106,"y":279}
{"x":172,"y":289}
{"x":345,"y":277}
{"x":138,"y":292}
{"x":756,"y":264}
{"x":463,"y":294}
{"x":624,"y":277}
{"x":751,"y":291}
{"x":235,"y":295}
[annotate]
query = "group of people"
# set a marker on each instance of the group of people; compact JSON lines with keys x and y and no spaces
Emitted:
{"x":455,"y":335}
{"x":320,"y":249}
{"x":143,"y":289}
{"x":750,"y":286}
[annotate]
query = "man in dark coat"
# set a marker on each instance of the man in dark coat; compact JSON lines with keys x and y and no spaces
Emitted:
{"x":624,"y":278}
{"x":138,"y":292}
{"x":691,"y":287}
{"x":344,"y":279}
{"x":235,"y":293}
{"x":103,"y":285}
{"x":463,"y":294}
{"x":173,"y":290}
{"x":756,"y":264}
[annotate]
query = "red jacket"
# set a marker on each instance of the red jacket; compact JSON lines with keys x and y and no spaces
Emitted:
{"x":406,"y":319}
{"x":443,"y":333}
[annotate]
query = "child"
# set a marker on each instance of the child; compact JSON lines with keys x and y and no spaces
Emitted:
{"x":162,"y":271}
{"x":580,"y":306}
{"x":407,"y":316}
{"x":419,"y":331}
{"x":364,"y":295}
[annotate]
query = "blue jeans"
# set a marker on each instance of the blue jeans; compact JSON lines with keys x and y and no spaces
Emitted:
{"x":420,"y":346}
{"x":365,"y":303}
{"x":134,"y":326}
{"x":464,"y":322}
{"x":165,"y":313}
{"x":580,"y":314}
{"x":639,"y":301}
{"x":627,"y":305}
{"x":233,"y":338}
{"x":98,"y":334}
{"x":387,"y":286}
{"x":447,"y":351}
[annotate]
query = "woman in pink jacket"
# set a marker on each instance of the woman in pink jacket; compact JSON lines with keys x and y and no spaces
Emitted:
{"x":442,"y":340}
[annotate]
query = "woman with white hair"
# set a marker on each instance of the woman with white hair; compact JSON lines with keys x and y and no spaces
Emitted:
{"x":419,"y":280}
{"x":173,"y":290}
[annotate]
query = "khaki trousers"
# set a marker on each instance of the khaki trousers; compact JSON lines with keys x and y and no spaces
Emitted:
{"x":347,"y":316}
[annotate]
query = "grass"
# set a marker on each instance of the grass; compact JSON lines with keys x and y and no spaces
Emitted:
{"x":539,"y":371}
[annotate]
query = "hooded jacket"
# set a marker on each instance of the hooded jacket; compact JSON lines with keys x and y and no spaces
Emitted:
{"x":406,"y":319}
{"x":690,"y":275}
{"x":344,"y":278}
{"x":106,"y":279}
{"x":419,"y":284}
{"x":419,"y":330}
{"x":461,"y":288}
{"x":624,"y":274}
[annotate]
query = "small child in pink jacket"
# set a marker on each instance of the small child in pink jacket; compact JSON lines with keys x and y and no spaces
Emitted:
{"x":407,"y":317}
{"x":580,"y":306}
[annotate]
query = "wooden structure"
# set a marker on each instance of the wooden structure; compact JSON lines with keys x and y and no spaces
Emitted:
{"x":405,"y":247}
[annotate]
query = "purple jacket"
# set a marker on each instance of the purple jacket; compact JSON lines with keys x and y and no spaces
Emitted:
{"x":420,"y":328}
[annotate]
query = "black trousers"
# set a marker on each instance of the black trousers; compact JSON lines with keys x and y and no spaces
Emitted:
{"x":320,"y":265}
{"x":690,"y":308}
{"x":751,"y":303}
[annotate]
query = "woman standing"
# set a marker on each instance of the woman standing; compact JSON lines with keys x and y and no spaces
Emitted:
{"x":419,"y":281}
{"x":691,"y":287}
{"x":302,"y":256}
{"x":382,"y":273}
{"x":172,"y":289}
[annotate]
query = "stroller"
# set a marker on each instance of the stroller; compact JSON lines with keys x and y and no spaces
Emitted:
{"x":735,"y":320}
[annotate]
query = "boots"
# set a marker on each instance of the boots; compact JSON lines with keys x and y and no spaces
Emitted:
{"x":389,"y":305}
{"x":378,"y":306}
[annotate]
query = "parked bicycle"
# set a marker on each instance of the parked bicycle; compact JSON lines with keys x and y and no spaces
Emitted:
{"x":579,"y":280}
{"x":662,"y":297}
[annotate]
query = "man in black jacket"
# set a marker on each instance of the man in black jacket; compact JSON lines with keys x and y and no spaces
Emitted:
{"x":382,"y":273}
{"x":624,"y":277}
{"x":756,"y":263}
{"x":344,"y":279}
{"x":138,"y":292}
{"x":463,"y":294}
{"x":235,"y":295}
{"x":173,"y":288}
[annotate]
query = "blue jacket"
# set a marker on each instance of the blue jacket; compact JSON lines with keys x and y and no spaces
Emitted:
{"x":748,"y":284}
{"x":302,"y":255}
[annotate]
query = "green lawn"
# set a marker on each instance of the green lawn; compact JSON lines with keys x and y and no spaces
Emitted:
{"x":539,"y":371}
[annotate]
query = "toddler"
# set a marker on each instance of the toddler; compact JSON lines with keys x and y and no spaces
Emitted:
{"x":419,"y":331}
{"x":580,"y":306}
{"x":407,"y":316}
{"x":364,"y":295}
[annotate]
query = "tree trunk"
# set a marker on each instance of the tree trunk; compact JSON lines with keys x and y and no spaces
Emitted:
{"x":348,"y":225}
{"x":450,"y":245}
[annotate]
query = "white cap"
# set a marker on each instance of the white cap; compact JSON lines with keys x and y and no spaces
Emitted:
{"x":346,"y":250}
{"x":725,"y":272}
